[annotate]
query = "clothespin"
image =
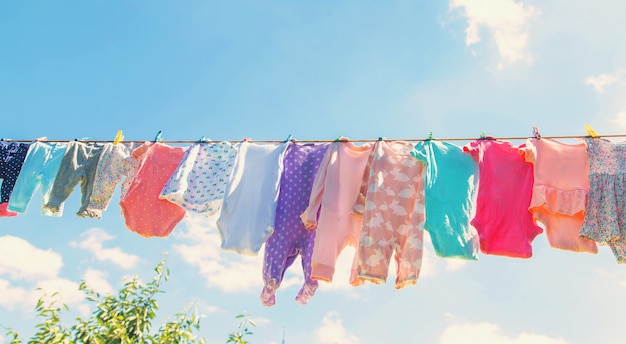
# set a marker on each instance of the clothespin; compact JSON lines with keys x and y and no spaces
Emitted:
{"x":536,"y":133}
{"x":5,"y":139}
{"x":246,"y":139}
{"x":339,"y":138}
{"x":289,"y":137}
{"x":43,"y":138}
{"x":430,"y":136}
{"x":118,"y":137}
{"x":483,"y":136}
{"x":82,"y":138}
{"x":204,"y":139}
{"x":380,"y":138}
{"x":158,"y":137}
{"x":590,"y":131}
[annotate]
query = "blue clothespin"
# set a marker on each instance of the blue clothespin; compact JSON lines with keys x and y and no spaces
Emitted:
{"x":381,"y":138}
{"x":204,"y":139}
{"x":83,"y":138}
{"x":430,"y":136}
{"x":289,"y":137}
{"x":158,"y":137}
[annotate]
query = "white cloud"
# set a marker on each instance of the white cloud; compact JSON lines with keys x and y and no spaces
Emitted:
{"x":25,"y":298}
{"x":67,"y":291}
{"x":97,"y":280}
{"x":620,"y":119}
{"x":11,"y":296}
{"x":506,"y":19}
{"x":227,"y":271}
{"x":489,"y":333}
{"x":21,"y":260}
{"x":261,"y":321}
{"x":332,"y":331}
{"x":92,"y":241}
{"x":600,"y":82}
{"x":213,"y":309}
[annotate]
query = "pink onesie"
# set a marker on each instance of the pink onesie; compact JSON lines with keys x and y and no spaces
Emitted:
{"x":393,"y":215}
{"x":144,"y":212}
{"x":505,"y":183}
{"x":333,"y":195}
{"x":561,"y":174}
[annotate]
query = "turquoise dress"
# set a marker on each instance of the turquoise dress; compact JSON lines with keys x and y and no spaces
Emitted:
{"x":450,"y":189}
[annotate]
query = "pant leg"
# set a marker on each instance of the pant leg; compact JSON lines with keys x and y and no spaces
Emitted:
{"x":279,"y":255}
{"x":13,"y":157}
{"x":68,"y":176}
{"x":306,"y":245}
{"x":92,"y":154}
{"x":29,"y":179}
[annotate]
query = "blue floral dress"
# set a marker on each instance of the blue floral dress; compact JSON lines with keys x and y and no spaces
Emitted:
{"x":605,"y":213}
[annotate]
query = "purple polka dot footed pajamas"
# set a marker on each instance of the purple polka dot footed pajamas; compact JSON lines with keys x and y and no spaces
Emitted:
{"x":290,"y":237}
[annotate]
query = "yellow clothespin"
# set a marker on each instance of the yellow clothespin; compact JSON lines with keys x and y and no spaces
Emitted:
{"x":590,"y":131}
{"x":118,"y":137}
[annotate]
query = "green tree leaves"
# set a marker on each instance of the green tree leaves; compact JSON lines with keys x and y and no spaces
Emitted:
{"x":125,"y":318}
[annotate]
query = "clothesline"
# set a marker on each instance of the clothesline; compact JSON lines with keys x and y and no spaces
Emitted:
{"x":342,"y":138}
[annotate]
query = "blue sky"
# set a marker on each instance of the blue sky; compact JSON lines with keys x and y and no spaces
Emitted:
{"x":263,"y":70}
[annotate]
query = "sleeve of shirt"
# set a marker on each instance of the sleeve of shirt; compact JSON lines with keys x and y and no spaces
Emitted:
{"x":309,"y":217}
{"x":473,"y":149}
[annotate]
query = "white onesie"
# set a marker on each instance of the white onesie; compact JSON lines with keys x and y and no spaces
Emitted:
{"x":249,"y":209}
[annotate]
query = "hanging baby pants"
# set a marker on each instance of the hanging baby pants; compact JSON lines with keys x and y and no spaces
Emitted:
{"x":290,"y":237}
{"x":393,"y":215}
{"x":77,"y":166}
{"x":116,"y":164}
{"x":12,"y":155}
{"x":333,"y":195}
{"x":40,"y":168}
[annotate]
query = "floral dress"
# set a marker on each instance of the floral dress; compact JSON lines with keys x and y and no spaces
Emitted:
{"x":605,"y":213}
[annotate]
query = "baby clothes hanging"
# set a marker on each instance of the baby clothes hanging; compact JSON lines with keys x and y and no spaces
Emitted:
{"x":504,"y":224}
{"x":561,"y":181}
{"x":144,"y":212}
{"x":12,"y":155}
{"x":199,"y":182}
{"x":116,"y":163}
{"x":247,"y":216}
{"x":605,"y":213}
{"x":290,"y":237}
{"x":78,"y":165}
{"x":393,"y":214}
{"x":40,"y":168}
{"x":450,"y":195}
{"x":333,"y":194}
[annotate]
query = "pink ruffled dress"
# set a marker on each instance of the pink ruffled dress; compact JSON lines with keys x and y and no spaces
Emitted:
{"x":560,"y":191}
